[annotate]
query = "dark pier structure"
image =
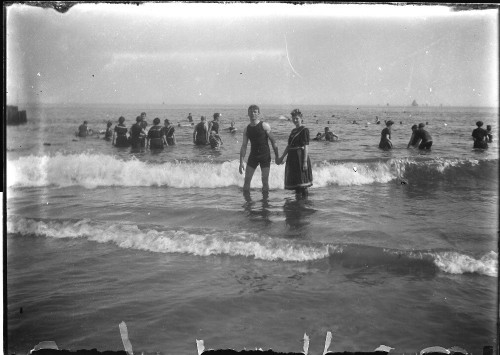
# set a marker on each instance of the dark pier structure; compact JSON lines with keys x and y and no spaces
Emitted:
{"x":14,"y":116}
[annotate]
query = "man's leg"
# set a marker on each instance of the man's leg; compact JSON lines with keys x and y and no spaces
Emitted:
{"x":265,"y":178}
{"x":248,"y":178}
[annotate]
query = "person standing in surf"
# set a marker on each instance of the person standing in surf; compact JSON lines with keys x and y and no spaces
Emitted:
{"x":385,"y":139}
{"x":137,"y":133}
{"x":109,"y":132}
{"x":215,"y":140}
{"x":490,"y":134}
{"x":328,"y":135}
{"x":156,"y":135}
{"x":169,"y":132}
{"x":480,"y":136}
{"x":120,"y":134}
{"x":413,"y":139}
{"x":83,"y":130}
{"x":423,"y":137}
{"x":231,"y":129}
{"x":200,"y":133}
{"x":298,"y":170}
{"x":144,"y":125}
{"x":214,"y":125}
{"x":259,"y":134}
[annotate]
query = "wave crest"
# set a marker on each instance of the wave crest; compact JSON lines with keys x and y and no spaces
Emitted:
{"x":96,"y":170}
{"x":245,"y":244}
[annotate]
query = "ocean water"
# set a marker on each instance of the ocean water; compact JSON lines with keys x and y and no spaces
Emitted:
{"x":391,"y":247}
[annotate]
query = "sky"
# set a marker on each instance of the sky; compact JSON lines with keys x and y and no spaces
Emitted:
{"x":243,"y":53}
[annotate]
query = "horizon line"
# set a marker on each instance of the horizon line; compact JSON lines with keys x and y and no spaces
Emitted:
{"x":30,"y":104}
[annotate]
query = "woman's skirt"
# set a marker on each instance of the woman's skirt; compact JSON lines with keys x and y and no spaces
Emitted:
{"x":155,"y":143}
{"x":295,"y":176}
{"x":122,"y":141}
{"x":385,"y":144}
{"x":480,"y":144}
{"x":135,"y":142}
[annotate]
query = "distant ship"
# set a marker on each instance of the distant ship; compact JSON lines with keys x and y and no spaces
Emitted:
{"x":414,"y":103}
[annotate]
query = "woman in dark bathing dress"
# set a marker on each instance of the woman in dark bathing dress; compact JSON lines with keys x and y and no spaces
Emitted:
{"x":385,"y":139}
{"x":298,"y":171}
{"x":120,"y":134}
{"x":156,"y":135}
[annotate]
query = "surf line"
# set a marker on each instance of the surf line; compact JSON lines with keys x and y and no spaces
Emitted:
{"x":288,"y":57}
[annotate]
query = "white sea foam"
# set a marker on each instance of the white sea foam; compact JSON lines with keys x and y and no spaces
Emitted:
{"x":351,"y":174}
{"x":217,"y":242}
{"x":94,"y":170}
{"x":456,"y":263}
{"x":173,"y":241}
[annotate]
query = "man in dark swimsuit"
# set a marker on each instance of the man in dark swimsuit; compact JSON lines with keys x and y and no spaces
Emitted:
{"x":413,"y":139}
{"x":200,"y":133}
{"x":424,"y":137}
{"x":83,"y":130}
{"x":137,"y":133}
{"x":259,"y":134}
{"x":329,"y":135}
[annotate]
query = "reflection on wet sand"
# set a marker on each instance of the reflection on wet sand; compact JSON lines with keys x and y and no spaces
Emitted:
{"x":259,"y":210}
{"x":298,"y":211}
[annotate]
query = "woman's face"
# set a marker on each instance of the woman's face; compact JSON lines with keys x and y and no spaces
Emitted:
{"x":297,"y":120}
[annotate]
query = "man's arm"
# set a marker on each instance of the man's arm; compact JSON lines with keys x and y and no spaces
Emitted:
{"x":267,"y":128}
{"x":243,"y":150}
{"x":411,"y":139}
{"x":285,"y":152}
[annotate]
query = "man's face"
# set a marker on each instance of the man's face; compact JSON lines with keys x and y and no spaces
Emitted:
{"x":254,"y":114}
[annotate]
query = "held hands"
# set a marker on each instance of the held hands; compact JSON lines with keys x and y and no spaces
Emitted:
{"x":278,"y":160}
{"x":242,"y":168}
